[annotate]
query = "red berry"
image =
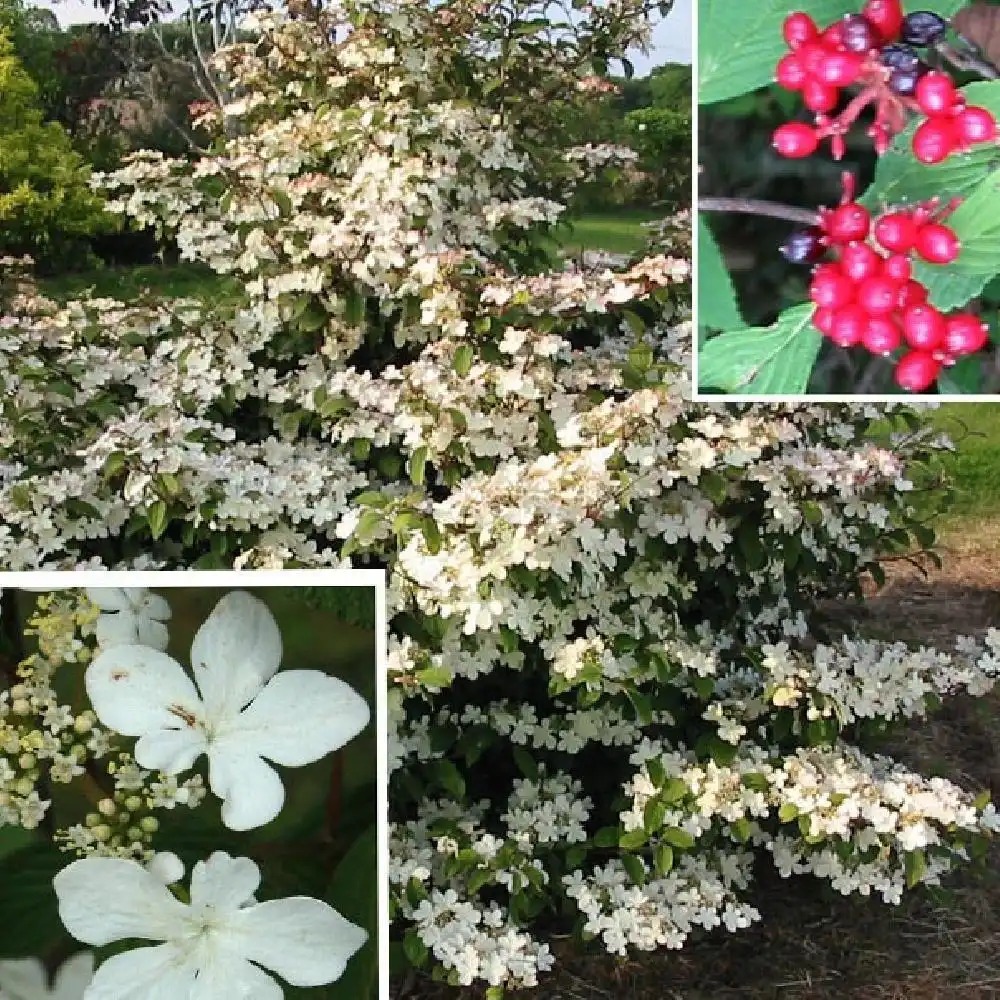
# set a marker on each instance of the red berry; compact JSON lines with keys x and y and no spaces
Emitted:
{"x":898,"y":268}
{"x":877,"y":296}
{"x":975,"y":125}
{"x":916,"y":371}
{"x":795,"y":140}
{"x":882,"y":335}
{"x":818,"y":96}
{"x":848,"y":326}
{"x":812,"y":55}
{"x":896,"y":231}
{"x":840,"y":69}
{"x":937,"y":244}
{"x":823,"y":319}
{"x":790,"y":72}
{"x":911,"y":294}
{"x":856,"y":34}
{"x":934,"y":140}
{"x":847,"y":223}
{"x":799,"y":28}
{"x":859,"y":261}
{"x":886,"y":16}
{"x":965,"y":333}
{"x":830,"y":287}
{"x":923,"y":327}
{"x":935,"y":93}
{"x":833,"y":37}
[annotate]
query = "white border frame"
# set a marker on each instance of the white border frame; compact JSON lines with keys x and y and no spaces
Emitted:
{"x":288,"y":579}
{"x":801,"y":399}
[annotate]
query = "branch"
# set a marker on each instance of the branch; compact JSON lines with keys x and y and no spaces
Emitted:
{"x":755,"y":206}
{"x":968,"y":60}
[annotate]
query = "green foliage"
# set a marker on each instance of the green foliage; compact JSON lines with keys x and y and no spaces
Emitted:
{"x":662,"y":138}
{"x":46,"y":205}
{"x":775,"y":360}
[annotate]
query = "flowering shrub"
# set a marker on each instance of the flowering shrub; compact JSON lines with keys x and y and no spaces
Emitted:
{"x":608,"y":697}
{"x":72,"y":784}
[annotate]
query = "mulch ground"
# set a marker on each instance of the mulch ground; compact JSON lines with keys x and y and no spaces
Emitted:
{"x":813,"y":944}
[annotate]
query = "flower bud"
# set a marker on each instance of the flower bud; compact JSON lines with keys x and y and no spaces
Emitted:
{"x":106,"y":807}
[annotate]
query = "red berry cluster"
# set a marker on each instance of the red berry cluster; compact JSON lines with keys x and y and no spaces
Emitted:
{"x":876,"y":52}
{"x":867,"y":295}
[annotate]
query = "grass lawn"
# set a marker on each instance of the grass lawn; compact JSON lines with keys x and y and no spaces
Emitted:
{"x":975,"y":465}
{"x":130,"y":283}
{"x":616,"y":232}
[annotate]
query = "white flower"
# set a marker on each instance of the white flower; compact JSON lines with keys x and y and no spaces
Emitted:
{"x":132,"y":617}
{"x":241,"y":711}
{"x":217,"y":946}
{"x":26,"y":979}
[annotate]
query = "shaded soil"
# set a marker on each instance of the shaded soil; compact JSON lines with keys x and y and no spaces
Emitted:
{"x":811,"y":943}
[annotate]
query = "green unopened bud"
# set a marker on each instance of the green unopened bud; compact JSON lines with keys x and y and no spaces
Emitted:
{"x":133,"y":833}
{"x":91,"y":820}
{"x":24,"y":786}
{"x":133,"y":803}
{"x":27,"y":761}
{"x":149,"y":824}
{"x":107,"y":807}
{"x":101,"y":832}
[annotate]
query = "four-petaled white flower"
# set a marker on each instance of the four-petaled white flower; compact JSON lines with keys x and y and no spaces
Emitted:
{"x":241,"y":711}
{"x":215,"y":948}
{"x":132,"y":616}
{"x":26,"y":979}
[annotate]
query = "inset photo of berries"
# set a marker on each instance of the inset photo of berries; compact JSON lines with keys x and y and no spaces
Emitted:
{"x":852,"y":247}
{"x":192,"y":791}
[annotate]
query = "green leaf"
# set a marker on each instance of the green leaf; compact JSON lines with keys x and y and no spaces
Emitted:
{"x":157,"y":518}
{"x":635,"y":868}
{"x":526,"y":763}
{"x":652,"y":815}
{"x":417,"y":465}
{"x":739,"y":44}
{"x":28,"y":912}
{"x":633,"y":839}
{"x":915,"y":866}
{"x":677,"y":837}
{"x":282,"y":200}
{"x":717,"y":306}
{"x":664,"y":859}
{"x":414,"y":949}
{"x":353,"y":893}
{"x":775,"y":360}
{"x":463,"y":359}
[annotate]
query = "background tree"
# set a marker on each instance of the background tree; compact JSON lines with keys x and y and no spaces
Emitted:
{"x":46,"y":206}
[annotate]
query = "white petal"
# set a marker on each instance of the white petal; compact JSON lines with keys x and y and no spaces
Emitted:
{"x":132,"y":689}
{"x":235,"y":652}
{"x":161,"y":973}
{"x":73,"y":977}
{"x":107,"y":899}
{"x":170,"y":750}
{"x":116,"y":630}
{"x":250,"y":789}
{"x":232,"y":976}
{"x":224,"y":882}
{"x":151,"y":633}
{"x":155,"y":606}
{"x":302,"y":715}
{"x":166,"y":867}
{"x":304,"y":940}
{"x":109,"y":598}
{"x":23,"y":977}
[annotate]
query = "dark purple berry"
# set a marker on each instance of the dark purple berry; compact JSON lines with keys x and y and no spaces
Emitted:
{"x":803,"y":246}
{"x":904,"y":81}
{"x":899,"y":57}
{"x":857,"y":34}
{"x":923,"y":27}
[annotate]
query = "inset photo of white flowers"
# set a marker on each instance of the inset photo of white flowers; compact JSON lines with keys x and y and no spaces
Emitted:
{"x":192,"y":792}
